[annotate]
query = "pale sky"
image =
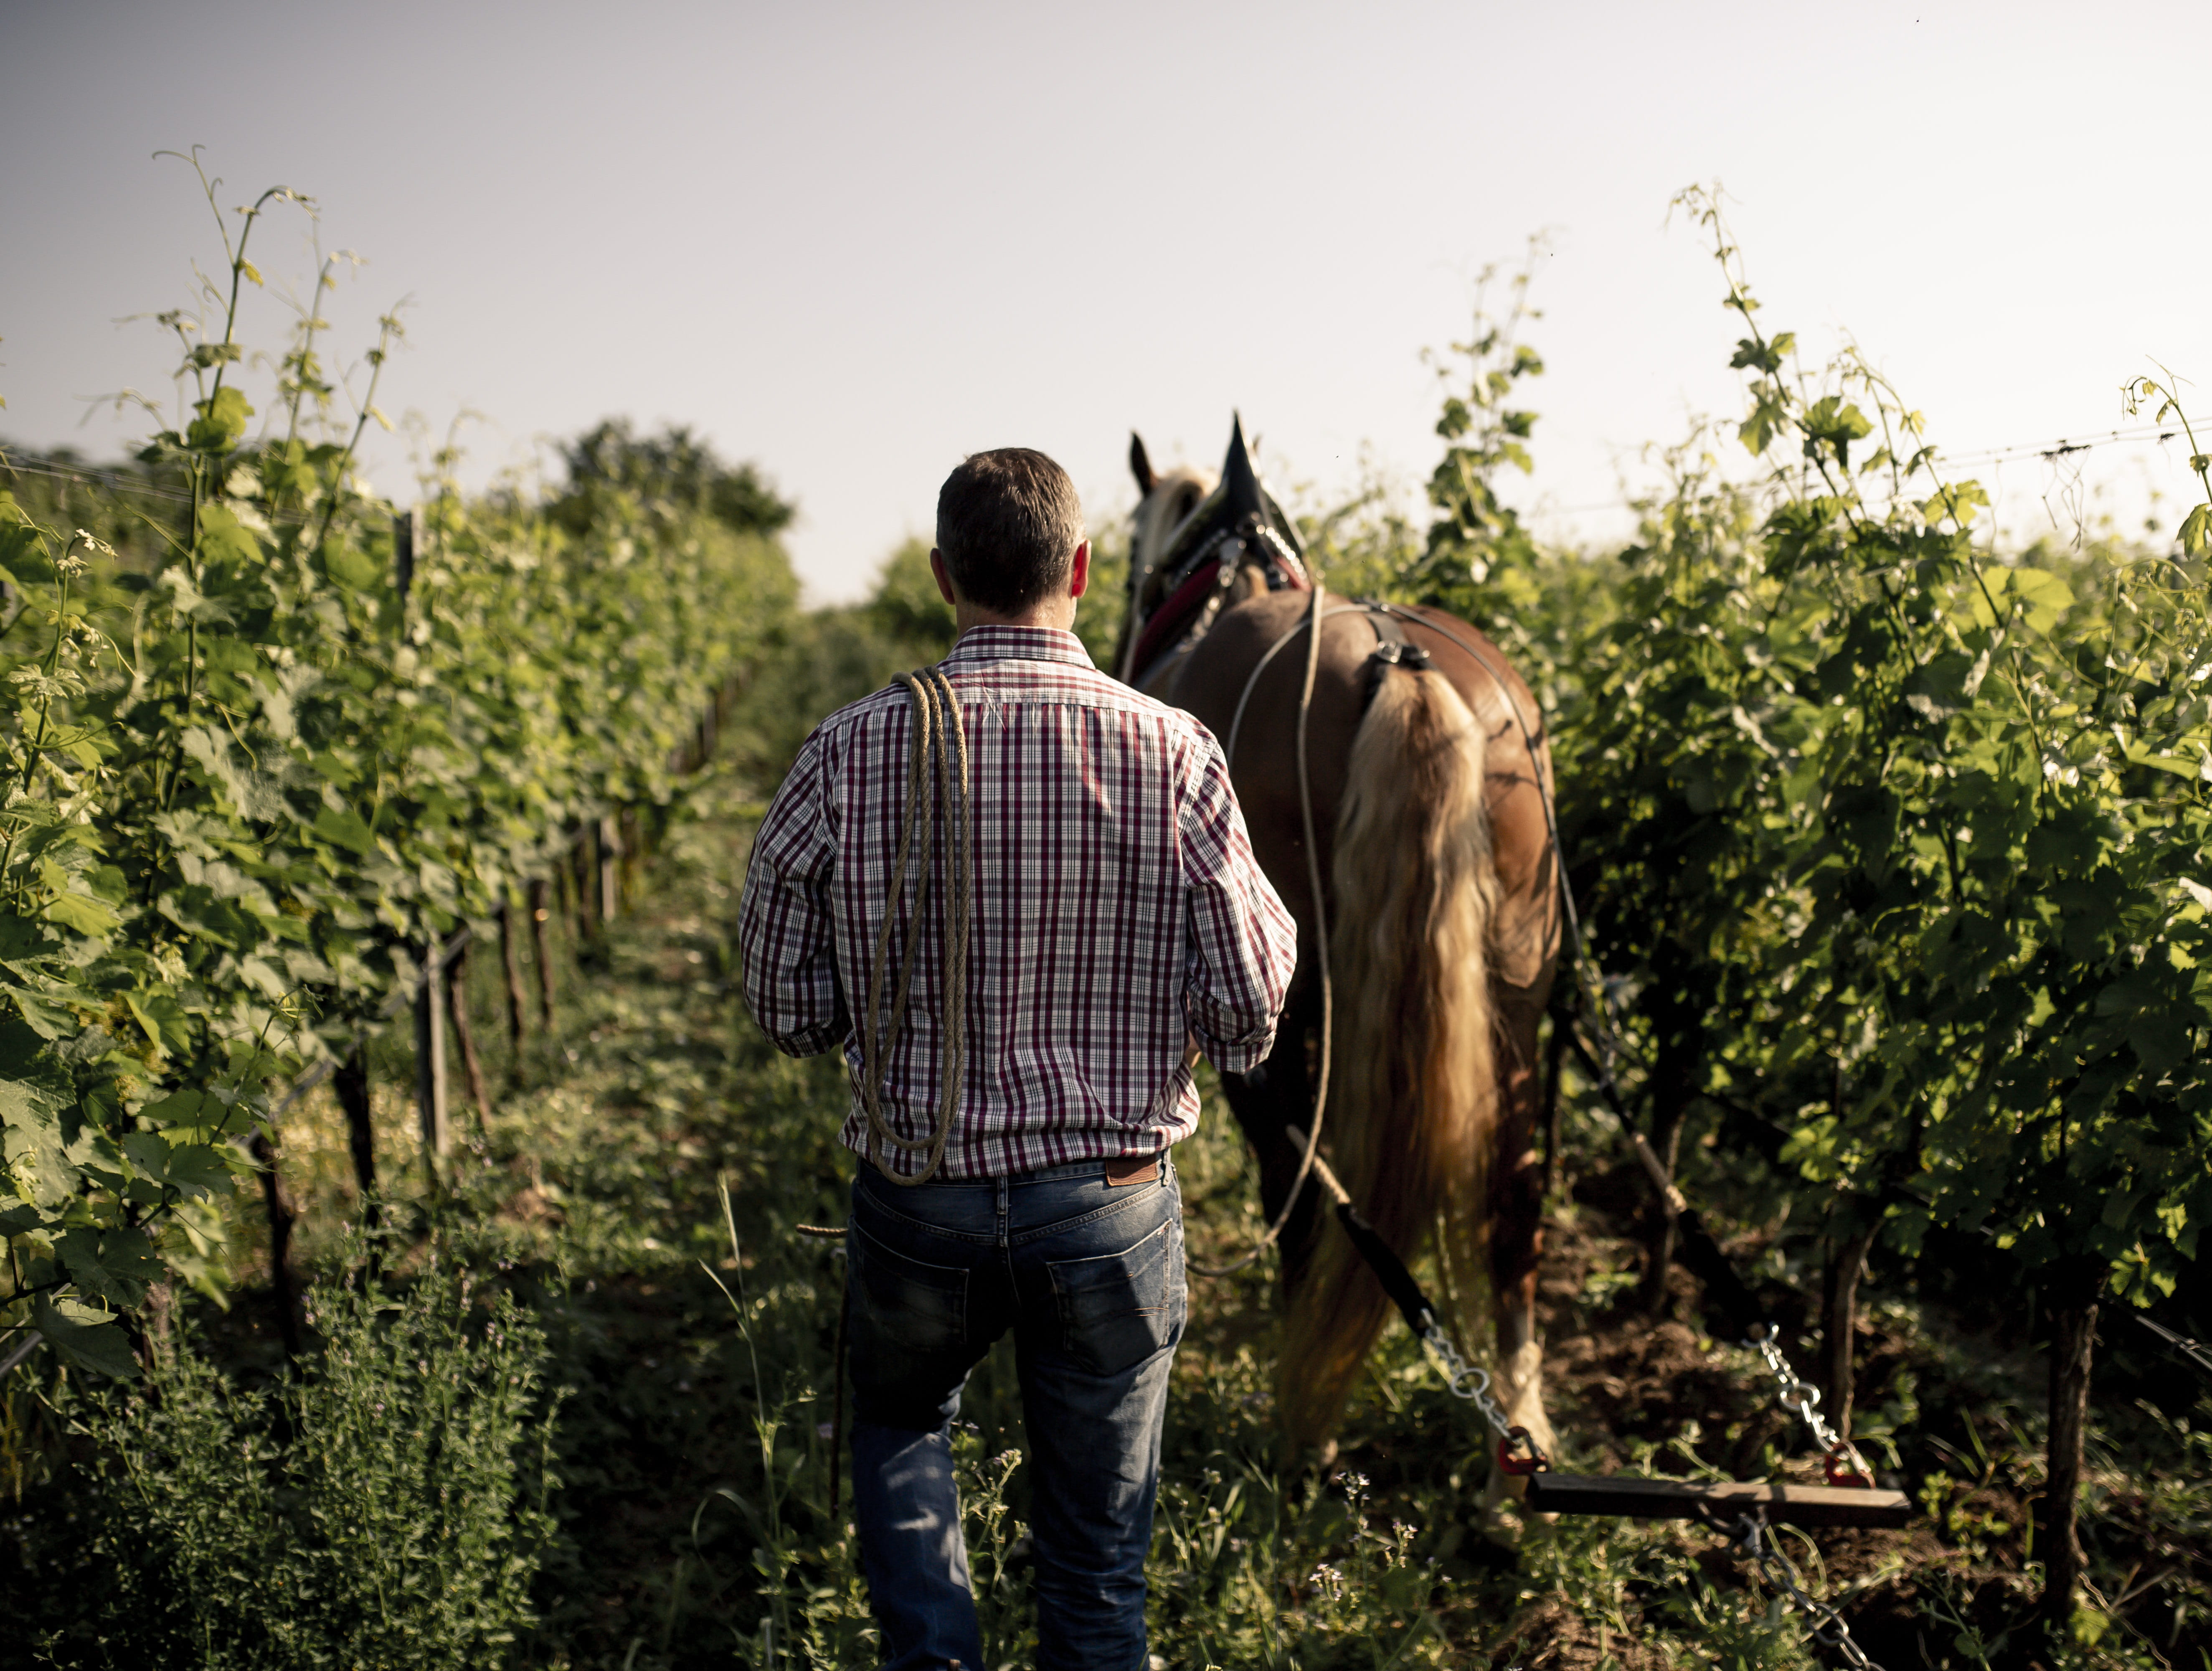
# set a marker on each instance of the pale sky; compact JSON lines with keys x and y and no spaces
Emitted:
{"x":853,"y":243}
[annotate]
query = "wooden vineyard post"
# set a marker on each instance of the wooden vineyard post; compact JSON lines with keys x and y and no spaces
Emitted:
{"x":539,"y":912}
{"x":511,"y":968}
{"x":406,"y":540}
{"x":610,"y":845}
{"x":430,"y":1055}
{"x":2073,"y":1293}
{"x":278,"y":1202}
{"x":350,"y":1082}
{"x":1674,"y":1091}
{"x":1839,"y":1295}
{"x":457,"y":1011}
{"x":580,"y":860}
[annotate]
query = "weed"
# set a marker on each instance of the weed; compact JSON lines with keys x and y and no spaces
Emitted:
{"x":389,"y":1507}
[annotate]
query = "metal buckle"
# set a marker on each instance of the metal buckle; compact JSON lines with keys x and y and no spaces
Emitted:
{"x":1411,"y":657}
{"x":1521,"y":1467}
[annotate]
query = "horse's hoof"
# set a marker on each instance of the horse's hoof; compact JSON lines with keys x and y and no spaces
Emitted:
{"x":1498,"y":1525}
{"x":1520,"y":1388}
{"x":1502,"y":1491}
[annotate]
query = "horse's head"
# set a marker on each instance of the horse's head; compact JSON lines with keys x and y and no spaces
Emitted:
{"x":1188,"y":520}
{"x":1169,"y":498}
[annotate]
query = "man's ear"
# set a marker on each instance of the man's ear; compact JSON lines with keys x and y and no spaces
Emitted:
{"x":944,"y":577}
{"x":1078,"y":571}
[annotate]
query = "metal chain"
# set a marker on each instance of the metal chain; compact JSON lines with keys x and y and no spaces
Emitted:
{"x":1826,"y":1626}
{"x":1518,"y":1453}
{"x":1463,"y":1380}
{"x":1839,"y":1459}
{"x":1793,"y":1393}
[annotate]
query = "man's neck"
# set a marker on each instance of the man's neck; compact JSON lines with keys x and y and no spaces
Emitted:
{"x":1058,"y":614}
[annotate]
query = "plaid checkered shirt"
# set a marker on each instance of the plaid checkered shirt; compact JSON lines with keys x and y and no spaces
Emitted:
{"x":1117,"y":909}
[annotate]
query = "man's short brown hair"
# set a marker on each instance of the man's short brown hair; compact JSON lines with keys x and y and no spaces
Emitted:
{"x":1008,"y":524}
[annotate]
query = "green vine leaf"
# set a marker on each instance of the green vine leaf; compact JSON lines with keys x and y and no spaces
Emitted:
{"x":86,"y":1337}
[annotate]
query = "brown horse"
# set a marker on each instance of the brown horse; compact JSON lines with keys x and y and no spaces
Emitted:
{"x":1428,"y":775}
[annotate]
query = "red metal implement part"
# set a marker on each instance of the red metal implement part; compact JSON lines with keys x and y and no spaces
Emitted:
{"x":1844,"y":1466}
{"x":1520,"y":1467}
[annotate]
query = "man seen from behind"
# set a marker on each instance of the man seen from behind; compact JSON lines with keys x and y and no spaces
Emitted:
{"x":1020,"y":1121}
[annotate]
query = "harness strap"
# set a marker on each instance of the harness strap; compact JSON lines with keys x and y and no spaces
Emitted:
{"x":1315,"y":615}
{"x":1187,"y":599}
{"x":1209,"y":568}
{"x":1392,"y":647}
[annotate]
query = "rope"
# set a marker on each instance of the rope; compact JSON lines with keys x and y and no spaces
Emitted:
{"x":1311,"y":626}
{"x":940,"y":741}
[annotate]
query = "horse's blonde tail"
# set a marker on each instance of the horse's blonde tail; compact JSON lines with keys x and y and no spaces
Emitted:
{"x":1413,"y":1098}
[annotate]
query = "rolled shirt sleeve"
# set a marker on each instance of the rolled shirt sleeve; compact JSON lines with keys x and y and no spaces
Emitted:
{"x":785,"y":921}
{"x":1244,"y":945}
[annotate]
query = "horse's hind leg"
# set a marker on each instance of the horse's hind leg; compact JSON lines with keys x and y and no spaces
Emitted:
{"x":1517,"y":1180}
{"x":1516,"y":1215}
{"x":1266,"y":1102}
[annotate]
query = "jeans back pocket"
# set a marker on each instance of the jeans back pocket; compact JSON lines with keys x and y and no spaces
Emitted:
{"x":917,"y":1307}
{"x":1116,"y":1309}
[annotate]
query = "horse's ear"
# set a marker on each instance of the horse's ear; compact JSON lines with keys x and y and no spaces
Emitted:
{"x":1240,"y":482}
{"x":1141,"y":466}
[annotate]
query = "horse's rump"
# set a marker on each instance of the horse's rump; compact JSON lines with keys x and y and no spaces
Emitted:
{"x":1404,"y":803}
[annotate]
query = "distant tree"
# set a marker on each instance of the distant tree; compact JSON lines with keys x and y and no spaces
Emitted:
{"x":674,"y":469}
{"x":906,"y":607}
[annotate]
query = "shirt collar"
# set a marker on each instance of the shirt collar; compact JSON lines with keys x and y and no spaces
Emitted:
{"x":997,"y":643}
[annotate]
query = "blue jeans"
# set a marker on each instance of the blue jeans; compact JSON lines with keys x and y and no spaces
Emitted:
{"x":1089,"y":1276}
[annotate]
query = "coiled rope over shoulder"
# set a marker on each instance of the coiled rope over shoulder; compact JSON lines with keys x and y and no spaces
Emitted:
{"x":940,"y":749}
